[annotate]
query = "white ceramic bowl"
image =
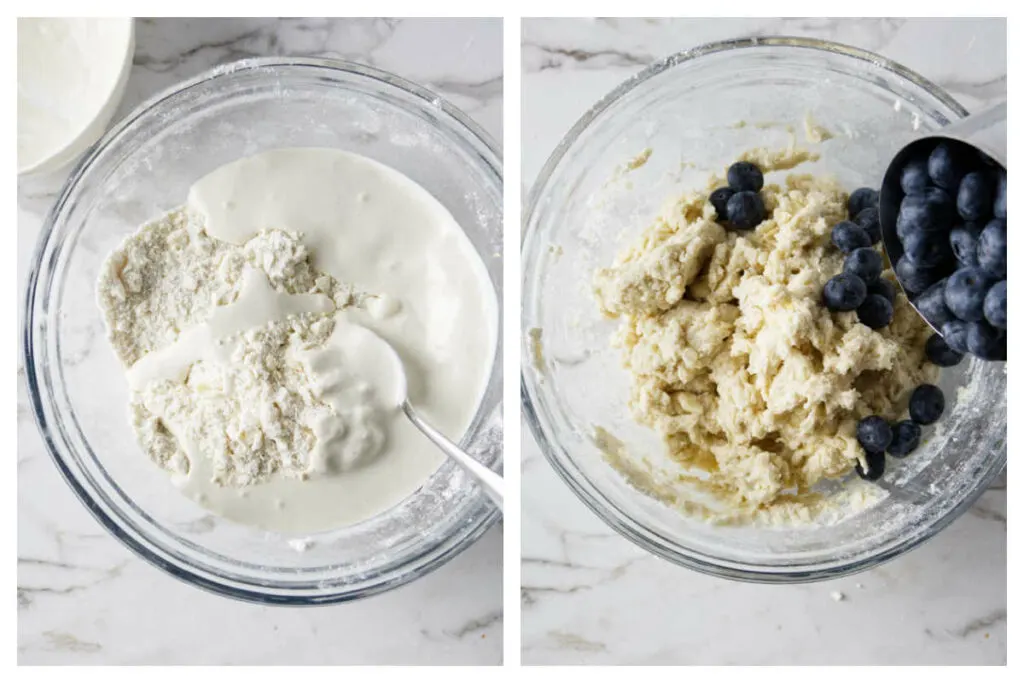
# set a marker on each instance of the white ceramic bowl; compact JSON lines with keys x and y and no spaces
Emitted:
{"x":115,"y":48}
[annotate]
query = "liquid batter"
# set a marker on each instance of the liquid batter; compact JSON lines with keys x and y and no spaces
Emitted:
{"x":242,"y":320}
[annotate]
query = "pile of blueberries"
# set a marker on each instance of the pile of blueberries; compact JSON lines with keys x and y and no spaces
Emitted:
{"x":739,"y":205}
{"x":860,"y":287}
{"x":876,"y":436}
{"x":952,"y":225}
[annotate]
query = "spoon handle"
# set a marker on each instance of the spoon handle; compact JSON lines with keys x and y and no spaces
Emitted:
{"x":489,"y":480}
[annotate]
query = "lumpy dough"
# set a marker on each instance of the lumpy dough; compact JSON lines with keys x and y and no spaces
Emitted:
{"x":735,"y":361}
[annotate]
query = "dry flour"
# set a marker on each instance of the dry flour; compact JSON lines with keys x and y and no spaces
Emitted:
{"x":252,"y":411}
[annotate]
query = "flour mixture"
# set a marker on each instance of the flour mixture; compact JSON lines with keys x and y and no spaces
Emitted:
{"x":753,"y":383}
{"x":237,"y":317}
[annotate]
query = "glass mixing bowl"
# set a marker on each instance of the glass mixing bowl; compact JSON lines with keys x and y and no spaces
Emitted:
{"x":144,"y":167}
{"x":696,"y":111}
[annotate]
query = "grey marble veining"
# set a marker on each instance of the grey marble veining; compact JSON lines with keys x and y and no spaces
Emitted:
{"x":85,"y":599}
{"x":591,"y":597}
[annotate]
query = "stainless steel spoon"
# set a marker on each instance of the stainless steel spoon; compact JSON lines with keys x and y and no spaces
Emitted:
{"x":490,"y":481}
{"x":985,"y":131}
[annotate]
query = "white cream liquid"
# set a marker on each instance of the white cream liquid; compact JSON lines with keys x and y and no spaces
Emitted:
{"x":370,"y":226}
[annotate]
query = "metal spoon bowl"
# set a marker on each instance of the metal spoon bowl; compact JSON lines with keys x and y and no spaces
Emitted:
{"x":985,"y":132}
{"x":490,"y":481}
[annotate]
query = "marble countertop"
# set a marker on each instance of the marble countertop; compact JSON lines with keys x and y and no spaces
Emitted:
{"x":83,"y":598}
{"x":591,"y":597}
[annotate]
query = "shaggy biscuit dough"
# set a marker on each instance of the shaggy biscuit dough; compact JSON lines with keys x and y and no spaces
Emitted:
{"x":734,"y":359}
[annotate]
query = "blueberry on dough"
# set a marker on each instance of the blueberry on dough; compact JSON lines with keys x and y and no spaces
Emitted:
{"x":965,"y":293}
{"x":844,"y":292}
{"x":876,"y":466}
{"x":939,"y":353}
{"x":963,"y":239}
{"x":875,"y":312}
{"x":946,"y":166}
{"x":906,"y":437}
{"x":927,"y":249}
{"x":719,"y":198}
{"x":926,"y":404}
{"x":868,"y":219}
{"x":914,"y":177}
{"x":862,"y":198}
{"x":974,"y":198}
{"x":847,"y":236}
{"x":745,"y":176}
{"x":929,"y":211}
{"x":914,"y":278}
{"x":986,"y":342}
{"x":874,"y":434}
{"x":995,"y":305}
{"x":883,"y":288}
{"x":999,"y":203}
{"x":745,"y":210}
{"x":865,"y":263}
{"x":954,"y":333}
{"x":992,"y":248}
{"x":932,"y":305}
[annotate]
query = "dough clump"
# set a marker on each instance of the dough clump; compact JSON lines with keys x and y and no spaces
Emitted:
{"x":735,"y":361}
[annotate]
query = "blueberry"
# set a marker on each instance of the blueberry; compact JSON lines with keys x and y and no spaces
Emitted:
{"x":868,"y":219}
{"x":995,"y":305}
{"x":876,"y":466}
{"x":932,"y":305}
{"x":926,"y":404}
{"x":965,"y":293}
{"x":719,"y":198}
{"x":865,"y":263}
{"x":927,"y":249}
{"x":992,"y":248}
{"x":884,"y":289}
{"x":745,"y":210}
{"x":946,"y":166}
{"x":999,"y":203}
{"x":974,"y":198}
{"x":939,"y":353}
{"x":862,"y":198}
{"x":915,"y":279}
{"x":954,"y":333}
{"x":875,"y":312}
{"x":964,"y":241}
{"x":745,"y":176}
{"x":844,"y":292}
{"x":874,"y":434}
{"x":930,"y":211}
{"x":985,"y":341}
{"x":906,"y":436}
{"x":848,"y":236}
{"x":914,"y":177}
{"x":902,"y":227}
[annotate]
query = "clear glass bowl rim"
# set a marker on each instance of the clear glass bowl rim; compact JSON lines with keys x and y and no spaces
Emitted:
{"x":584,"y":489}
{"x":393,"y":575}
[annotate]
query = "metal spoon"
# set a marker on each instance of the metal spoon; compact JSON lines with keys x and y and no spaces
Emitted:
{"x":490,"y":481}
{"x":985,"y":131}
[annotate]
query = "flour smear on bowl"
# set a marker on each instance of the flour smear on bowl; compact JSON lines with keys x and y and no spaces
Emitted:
{"x":234,"y":317}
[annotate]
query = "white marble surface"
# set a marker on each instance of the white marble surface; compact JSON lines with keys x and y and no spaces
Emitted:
{"x":589,"y":596}
{"x":85,"y":599}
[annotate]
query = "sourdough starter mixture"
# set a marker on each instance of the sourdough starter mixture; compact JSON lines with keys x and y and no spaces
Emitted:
{"x":735,"y":361}
{"x":241,"y":319}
